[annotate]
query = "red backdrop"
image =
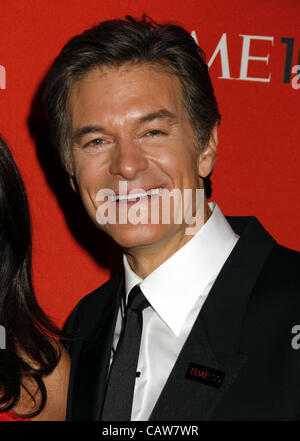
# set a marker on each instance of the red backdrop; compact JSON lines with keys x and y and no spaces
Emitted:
{"x":258,"y":164}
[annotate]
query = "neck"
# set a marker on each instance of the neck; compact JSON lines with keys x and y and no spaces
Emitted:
{"x":145,"y":259}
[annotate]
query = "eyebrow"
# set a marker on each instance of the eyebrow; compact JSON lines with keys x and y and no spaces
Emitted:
{"x":81,"y":131}
{"x":159,"y":114}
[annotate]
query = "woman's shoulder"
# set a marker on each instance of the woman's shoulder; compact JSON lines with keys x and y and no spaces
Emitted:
{"x":56,"y":384}
{"x":11,"y":416}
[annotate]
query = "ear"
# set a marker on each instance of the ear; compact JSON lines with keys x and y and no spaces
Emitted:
{"x":207,"y":157}
{"x":72,"y":182}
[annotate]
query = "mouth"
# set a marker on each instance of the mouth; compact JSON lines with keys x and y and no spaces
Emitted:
{"x":132,"y":197}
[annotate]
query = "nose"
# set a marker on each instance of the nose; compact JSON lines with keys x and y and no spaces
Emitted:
{"x":128,"y":160}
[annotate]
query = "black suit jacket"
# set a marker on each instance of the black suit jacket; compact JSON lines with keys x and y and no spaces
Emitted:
{"x":243,"y":329}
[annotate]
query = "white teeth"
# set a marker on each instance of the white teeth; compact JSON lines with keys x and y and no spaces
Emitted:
{"x":134,"y":196}
{"x":153,"y":191}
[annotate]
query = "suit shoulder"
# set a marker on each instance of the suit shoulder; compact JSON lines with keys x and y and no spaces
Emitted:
{"x":91,"y":299}
{"x":88,"y":308}
{"x":285,"y":259}
{"x":281,"y":274}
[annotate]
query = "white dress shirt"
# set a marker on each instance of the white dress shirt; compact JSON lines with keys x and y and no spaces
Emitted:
{"x":176,"y":291}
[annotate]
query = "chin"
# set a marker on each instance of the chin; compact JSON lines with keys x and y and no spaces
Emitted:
{"x":131,"y":236}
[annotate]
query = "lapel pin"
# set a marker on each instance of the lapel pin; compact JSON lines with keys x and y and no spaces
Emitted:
{"x":205,"y":375}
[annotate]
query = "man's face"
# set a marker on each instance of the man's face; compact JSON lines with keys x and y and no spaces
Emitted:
{"x":129,"y":124}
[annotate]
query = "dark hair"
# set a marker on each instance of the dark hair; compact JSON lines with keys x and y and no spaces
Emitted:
{"x":117,"y":42}
{"x":27,"y":327}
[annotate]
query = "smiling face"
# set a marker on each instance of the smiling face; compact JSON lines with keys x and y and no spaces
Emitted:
{"x":129,"y":124}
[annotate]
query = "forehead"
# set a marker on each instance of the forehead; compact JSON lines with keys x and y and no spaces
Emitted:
{"x":122,"y":91}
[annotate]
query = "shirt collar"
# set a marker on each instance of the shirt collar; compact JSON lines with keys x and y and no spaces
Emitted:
{"x":173,"y":288}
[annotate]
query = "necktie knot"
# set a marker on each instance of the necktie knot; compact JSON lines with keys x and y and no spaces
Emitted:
{"x":136,"y":300}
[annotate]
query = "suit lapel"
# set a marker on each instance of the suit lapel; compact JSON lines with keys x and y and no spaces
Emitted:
{"x":92,"y":364}
{"x":186,"y":399}
{"x":214,"y":341}
{"x":225,"y":308}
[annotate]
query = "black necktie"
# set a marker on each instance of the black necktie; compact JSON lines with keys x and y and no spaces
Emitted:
{"x":120,"y":387}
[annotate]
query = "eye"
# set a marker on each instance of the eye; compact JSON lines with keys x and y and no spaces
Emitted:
{"x":155,"y":132}
{"x":95,"y":142}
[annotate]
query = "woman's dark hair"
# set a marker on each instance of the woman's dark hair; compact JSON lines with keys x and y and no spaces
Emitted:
{"x":28,"y":354}
{"x":118,"y":42}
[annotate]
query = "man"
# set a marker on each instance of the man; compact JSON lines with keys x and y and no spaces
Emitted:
{"x":204,"y":321}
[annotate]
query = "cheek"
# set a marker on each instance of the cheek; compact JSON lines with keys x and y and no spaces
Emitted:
{"x":181,"y":167}
{"x":86,"y":173}
{"x":86,"y":184}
